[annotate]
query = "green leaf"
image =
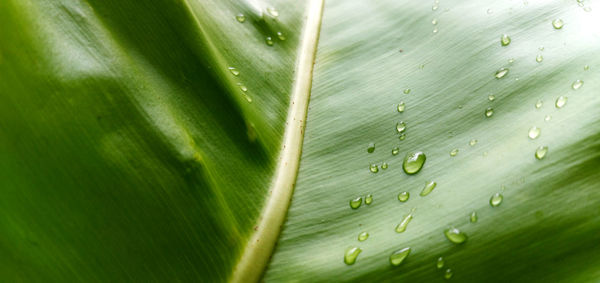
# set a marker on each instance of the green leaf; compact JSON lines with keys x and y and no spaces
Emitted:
{"x":130,"y":151}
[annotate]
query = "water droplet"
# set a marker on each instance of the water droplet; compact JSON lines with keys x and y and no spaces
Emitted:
{"x":384,"y":165}
{"x":496,"y":199}
{"x":234,"y":71}
{"x":403,"y":196}
{"x":363,"y":236}
{"x":577,"y":84}
{"x":491,"y":97}
{"x":435,"y":30}
{"x":407,"y":91}
{"x":269,"y":41}
{"x":473,"y":142}
{"x":369,"y":199}
{"x":448,"y":274}
{"x":501,"y":73}
{"x":586,"y":67}
{"x":511,"y":60}
{"x":455,"y":236}
{"x":355,"y":202}
{"x":429,"y":186}
{"x":541,"y":48}
{"x":558,"y":23}
{"x":454,"y":152}
{"x":243,"y":87}
{"x":397,"y":257}
{"x":248,"y":98}
{"x":547,"y":118}
{"x":440,"y":263}
{"x":240,"y":18}
{"x":351,"y":255}
{"x":402,"y":226}
{"x":539,"y":58}
{"x":561,"y":101}
{"x":434,"y":7}
{"x":473,"y":217}
{"x":539,"y":104}
{"x":395,"y":150}
{"x":434,"y":22}
{"x":505,"y":40}
{"x":401,"y":127}
{"x":374,"y":168}
{"x":587,"y":9}
{"x":413,"y":162}
{"x":540,"y":152}
{"x":401,"y":106}
{"x":280,"y":36}
{"x":273,"y":12}
{"x":371,"y":147}
{"x":534,"y":132}
{"x":402,"y":136}
{"x":489,"y":112}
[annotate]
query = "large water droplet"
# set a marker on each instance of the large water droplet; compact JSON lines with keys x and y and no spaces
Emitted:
{"x":429,"y":186}
{"x":402,"y":226}
{"x":540,"y":152}
{"x":561,"y":101}
{"x":371,"y":147}
{"x":577,"y":84}
{"x":496,"y":199}
{"x":440,"y":263}
{"x":403,"y":196}
{"x":501,"y":73}
{"x":413,"y":162}
{"x":269,"y":41}
{"x":401,"y":127}
{"x":401,"y":106}
{"x":558,"y":23}
{"x":454,"y":152}
{"x":473,"y":217}
{"x":351,"y":255}
{"x":489,"y":112}
{"x":505,"y":40}
{"x":369,"y":199}
{"x":355,"y":202}
{"x":455,"y":236}
{"x":534,"y":132}
{"x":395,"y":150}
{"x":448,"y":273}
{"x":397,"y":257}
{"x":240,"y":18}
{"x":363,"y":236}
{"x":539,"y":58}
{"x":373,"y":168}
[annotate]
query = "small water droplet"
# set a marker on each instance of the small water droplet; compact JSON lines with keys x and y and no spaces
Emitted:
{"x":587,"y":9}
{"x":539,"y":58}
{"x":369,"y":199}
{"x":240,"y":18}
{"x":541,"y":48}
{"x":351,"y":255}
{"x":440,"y":263}
{"x":397,"y":257}
{"x":473,"y":217}
{"x":501,"y":73}
{"x":429,"y":186}
{"x":384,"y":165}
{"x":496,"y":199}
{"x":401,"y":106}
{"x":269,"y":41}
{"x":455,"y":236}
{"x":371,"y":147}
{"x":402,"y":226}
{"x":234,"y":71}
{"x":540,"y":152}
{"x":448,"y":274}
{"x":395,"y":150}
{"x":434,"y":7}
{"x":243,"y":87}
{"x":558,"y":23}
{"x":454,"y":152}
{"x":539,"y":104}
{"x":577,"y":84}
{"x":505,"y":40}
{"x":400,"y":127}
{"x":402,"y":136}
{"x":586,"y":67}
{"x":407,"y":91}
{"x":413,"y":162}
{"x":547,"y":118}
{"x":511,"y":60}
{"x":248,"y":98}
{"x":534,"y":132}
{"x":273,"y":12}
{"x":373,"y":168}
{"x":355,"y":202}
{"x":434,"y":22}
{"x":435,"y":30}
{"x":473,"y":142}
{"x":403,"y":196}
{"x":363,"y":236}
{"x":491,"y":97}
{"x":280,"y":36}
{"x":489,"y":112}
{"x":561,"y":101}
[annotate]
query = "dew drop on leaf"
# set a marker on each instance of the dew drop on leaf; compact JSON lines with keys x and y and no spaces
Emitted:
{"x":384,"y":165}
{"x":240,"y":18}
{"x":534,"y":132}
{"x":434,"y":22}
{"x":355,"y":202}
{"x":496,"y":199}
{"x":413,"y":162}
{"x":586,"y":67}
{"x":577,"y":84}
{"x":489,"y":112}
{"x":397,"y":257}
{"x":401,"y":127}
{"x":540,"y":152}
{"x":448,"y":274}
{"x":395,"y":150}
{"x":369,"y":199}
{"x":280,"y":36}
{"x":505,"y":40}
{"x":539,"y":58}
{"x":473,"y":217}
{"x":401,"y":106}
{"x":407,"y":91}
{"x":560,"y":102}
{"x":404,"y":223}
{"x":234,"y":71}
{"x":558,"y":23}
{"x":473,"y":142}
{"x":351,"y":255}
{"x":547,"y":118}
{"x":373,"y":168}
{"x":269,"y":41}
{"x":273,"y":12}
{"x":363,"y":236}
{"x":429,"y":186}
{"x":539,"y":104}
{"x":501,"y":73}
{"x":491,"y":97}
{"x":440,"y":263}
{"x":454,"y":152}
{"x":403,"y":196}
{"x":455,"y":236}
